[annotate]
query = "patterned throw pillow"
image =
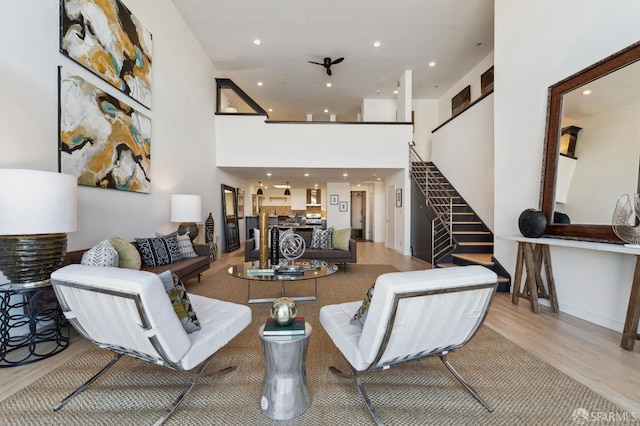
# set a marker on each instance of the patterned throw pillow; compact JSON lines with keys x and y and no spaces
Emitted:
{"x":160,"y":250}
{"x":322,"y":238}
{"x":180,"y":301}
{"x":361,"y":314}
{"x":102,"y":254}
{"x":184,"y":244}
{"x":128,"y":254}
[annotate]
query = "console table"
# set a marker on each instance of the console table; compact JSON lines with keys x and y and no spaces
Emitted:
{"x":535,"y":253}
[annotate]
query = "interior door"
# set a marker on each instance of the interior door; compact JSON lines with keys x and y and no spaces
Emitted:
{"x":391,"y":217}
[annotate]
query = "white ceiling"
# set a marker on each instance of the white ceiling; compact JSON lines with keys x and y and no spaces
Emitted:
{"x":456,"y":34}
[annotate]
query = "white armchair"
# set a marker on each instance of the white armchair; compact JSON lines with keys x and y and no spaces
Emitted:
{"x":129,"y":312}
{"x":450,"y":303}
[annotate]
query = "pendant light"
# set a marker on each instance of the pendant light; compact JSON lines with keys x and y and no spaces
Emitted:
{"x":259,"y":192}
{"x":286,"y":191}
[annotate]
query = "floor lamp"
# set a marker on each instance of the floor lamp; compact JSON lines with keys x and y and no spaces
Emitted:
{"x":186,"y":209}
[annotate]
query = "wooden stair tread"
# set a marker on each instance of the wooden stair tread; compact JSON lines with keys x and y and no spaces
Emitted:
{"x":475,"y":243}
{"x":457,"y":222}
{"x":484,"y":259}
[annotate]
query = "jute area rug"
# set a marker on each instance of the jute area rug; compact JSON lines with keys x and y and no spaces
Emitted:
{"x":521,"y":388}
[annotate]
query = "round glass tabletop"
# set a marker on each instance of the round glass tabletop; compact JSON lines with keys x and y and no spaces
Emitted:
{"x":301,"y":269}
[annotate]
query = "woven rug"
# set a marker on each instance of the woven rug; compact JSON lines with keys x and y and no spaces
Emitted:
{"x":521,"y":388}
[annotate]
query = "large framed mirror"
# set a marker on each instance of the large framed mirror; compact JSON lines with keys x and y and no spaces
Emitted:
{"x":230,"y":216}
{"x":592,"y":147}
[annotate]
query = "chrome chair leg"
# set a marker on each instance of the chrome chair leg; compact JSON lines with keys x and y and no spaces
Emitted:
{"x":62,"y":403}
{"x":468,"y":387}
{"x":363,"y":393}
{"x":188,"y":388}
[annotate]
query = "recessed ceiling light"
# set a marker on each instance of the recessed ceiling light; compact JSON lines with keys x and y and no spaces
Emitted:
{"x":379,"y":179}
{"x":432,"y":64}
{"x":329,"y":85}
{"x":269,"y":174}
{"x":259,"y":83}
{"x":376,"y":44}
{"x":345,"y":174}
{"x":270,"y":110}
{"x":395,"y":92}
{"x":326,"y":110}
{"x":378,"y":91}
{"x":257,"y":42}
{"x":306,"y":174}
{"x":586,"y":92}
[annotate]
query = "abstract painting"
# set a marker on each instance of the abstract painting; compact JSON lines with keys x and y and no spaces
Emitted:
{"x":104,"y":37}
{"x":103,"y":141}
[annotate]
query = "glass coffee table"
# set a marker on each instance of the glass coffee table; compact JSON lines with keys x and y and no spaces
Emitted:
{"x":306,"y":270}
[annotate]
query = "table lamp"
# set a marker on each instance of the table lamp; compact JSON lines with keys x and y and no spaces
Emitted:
{"x":38,"y":209}
{"x":187,"y":209}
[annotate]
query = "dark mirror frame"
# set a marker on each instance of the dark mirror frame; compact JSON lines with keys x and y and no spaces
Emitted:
{"x":600,"y":233}
{"x":231,"y":234}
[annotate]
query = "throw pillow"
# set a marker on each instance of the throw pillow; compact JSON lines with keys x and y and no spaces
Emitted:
{"x":102,"y":254}
{"x":284,"y":234}
{"x":160,"y":250}
{"x":128,"y":254}
{"x":361,"y":314}
{"x":184,"y":244}
{"x":340,"y":238}
{"x":180,"y":301}
{"x":321,"y":238}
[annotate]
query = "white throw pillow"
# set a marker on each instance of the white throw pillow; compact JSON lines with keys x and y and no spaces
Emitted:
{"x":102,"y":254}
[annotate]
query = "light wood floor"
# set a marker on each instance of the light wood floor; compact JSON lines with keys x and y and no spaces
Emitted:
{"x":588,"y":353}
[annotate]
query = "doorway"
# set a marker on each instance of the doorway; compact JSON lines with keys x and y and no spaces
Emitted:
{"x":358,"y":215}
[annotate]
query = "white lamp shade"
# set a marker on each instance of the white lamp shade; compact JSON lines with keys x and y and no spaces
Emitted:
{"x":37,"y":202}
{"x":186,"y":208}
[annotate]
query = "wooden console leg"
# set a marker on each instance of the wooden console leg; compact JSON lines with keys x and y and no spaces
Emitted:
{"x":630,"y":331}
{"x":553,"y":297}
{"x":517,"y":280}
{"x":532,"y":285}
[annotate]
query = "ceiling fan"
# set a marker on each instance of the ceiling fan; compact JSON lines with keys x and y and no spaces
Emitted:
{"x":327,"y":63}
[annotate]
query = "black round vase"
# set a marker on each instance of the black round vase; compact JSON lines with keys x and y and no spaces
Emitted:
{"x":532,"y":223}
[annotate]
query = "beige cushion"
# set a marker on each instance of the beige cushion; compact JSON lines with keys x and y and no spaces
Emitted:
{"x":128,"y":255}
{"x":340,"y":238}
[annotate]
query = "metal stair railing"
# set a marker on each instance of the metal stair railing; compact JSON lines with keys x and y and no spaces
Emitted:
{"x":439,"y":200}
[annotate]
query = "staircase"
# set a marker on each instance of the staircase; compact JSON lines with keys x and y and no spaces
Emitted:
{"x":458,"y":235}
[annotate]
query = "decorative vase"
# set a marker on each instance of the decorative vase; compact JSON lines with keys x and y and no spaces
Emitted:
{"x":274,"y":250}
{"x":209,"y":226}
{"x":284,"y":310}
{"x":263,"y":224}
{"x":532,"y":223}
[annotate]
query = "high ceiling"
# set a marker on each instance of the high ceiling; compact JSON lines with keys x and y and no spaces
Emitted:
{"x":455,"y":34}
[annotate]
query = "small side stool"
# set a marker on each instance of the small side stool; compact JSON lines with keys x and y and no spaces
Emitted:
{"x":530,"y":259}
{"x":285,"y":394}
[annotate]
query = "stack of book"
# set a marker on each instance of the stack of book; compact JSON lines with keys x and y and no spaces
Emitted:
{"x":254,"y":271}
{"x":296,"y":328}
{"x":290,"y":270}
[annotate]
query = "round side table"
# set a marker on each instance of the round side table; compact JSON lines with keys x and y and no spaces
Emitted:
{"x":32,"y":325}
{"x":285,"y":394}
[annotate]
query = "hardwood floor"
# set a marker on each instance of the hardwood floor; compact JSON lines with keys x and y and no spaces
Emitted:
{"x":588,"y":353}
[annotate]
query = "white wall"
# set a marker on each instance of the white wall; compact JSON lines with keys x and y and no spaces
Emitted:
{"x":472,"y":78}
{"x":404,"y":96}
{"x":336,"y":218}
{"x":425,"y":120}
{"x":536,"y":45}
{"x":463,"y":151}
{"x":182,"y":110}
{"x":380,"y":110}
